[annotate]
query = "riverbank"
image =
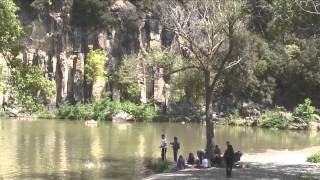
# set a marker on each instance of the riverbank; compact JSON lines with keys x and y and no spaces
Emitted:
{"x":266,"y":165}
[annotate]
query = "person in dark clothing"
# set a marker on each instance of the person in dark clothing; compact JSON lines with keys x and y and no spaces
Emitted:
{"x":200,"y":155}
{"x":175,"y":146}
{"x":229,"y":158}
{"x":191,"y":159}
{"x":163,"y":147}
{"x":217,"y":156}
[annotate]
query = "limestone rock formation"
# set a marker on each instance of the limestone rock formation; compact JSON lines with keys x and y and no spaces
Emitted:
{"x":60,"y":48}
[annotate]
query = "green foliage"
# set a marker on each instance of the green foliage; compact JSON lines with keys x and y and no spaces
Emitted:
{"x":161,"y":166}
{"x":104,"y":109}
{"x":133,"y":66}
{"x":30,"y":86}
{"x":95,"y":67}
{"x":76,"y":112}
{"x":46,"y":114}
{"x":92,"y":13}
{"x":305,"y":110}
{"x":10,"y":27}
{"x":314,"y":158}
{"x":234,"y":117}
{"x":187,"y":85}
{"x":2,"y":80}
{"x":274,"y":119}
{"x":144,"y":112}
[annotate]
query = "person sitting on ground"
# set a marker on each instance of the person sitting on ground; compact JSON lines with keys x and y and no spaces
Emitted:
{"x":200,"y":155}
{"x":198,"y":164}
{"x":217,"y":150}
{"x":191,"y":159}
{"x":181,"y":164}
{"x":217,"y":158}
{"x":237,"y":156}
{"x":205,"y":162}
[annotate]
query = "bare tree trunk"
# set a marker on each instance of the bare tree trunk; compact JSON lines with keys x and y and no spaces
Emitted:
{"x":209,"y":122}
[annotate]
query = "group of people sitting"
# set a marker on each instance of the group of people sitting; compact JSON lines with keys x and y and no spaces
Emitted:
{"x":202,"y":161}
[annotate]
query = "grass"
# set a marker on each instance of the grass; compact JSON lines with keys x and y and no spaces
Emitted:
{"x":160,"y":166}
{"x":314,"y":158}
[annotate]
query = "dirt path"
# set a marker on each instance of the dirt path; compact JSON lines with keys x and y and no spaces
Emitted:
{"x":268,"y":165}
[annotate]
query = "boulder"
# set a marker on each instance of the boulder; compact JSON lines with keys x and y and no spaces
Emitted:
{"x":122,"y":117}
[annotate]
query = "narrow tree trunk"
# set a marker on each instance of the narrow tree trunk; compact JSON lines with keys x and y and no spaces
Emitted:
{"x":209,"y":122}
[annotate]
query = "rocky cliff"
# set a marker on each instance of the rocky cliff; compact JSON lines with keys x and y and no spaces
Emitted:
{"x":54,"y":43}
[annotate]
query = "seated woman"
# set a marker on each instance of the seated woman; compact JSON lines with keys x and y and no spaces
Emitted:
{"x":237,"y":156}
{"x":217,"y":157}
{"x":198,"y":164}
{"x":200,"y":155}
{"x":191,"y":159}
{"x":181,"y":163}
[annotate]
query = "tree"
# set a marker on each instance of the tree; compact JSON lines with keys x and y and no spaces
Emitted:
{"x":29,"y":85}
{"x":10,"y":28}
{"x":94,"y":69}
{"x":133,"y":70}
{"x":205,"y":33}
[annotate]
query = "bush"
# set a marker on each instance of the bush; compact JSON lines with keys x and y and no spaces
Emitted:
{"x":76,"y":112}
{"x":314,"y":158}
{"x":104,"y":109}
{"x":46,"y":115}
{"x":234,"y":117}
{"x":305,"y":110}
{"x":161,"y":166}
{"x":274,"y":119}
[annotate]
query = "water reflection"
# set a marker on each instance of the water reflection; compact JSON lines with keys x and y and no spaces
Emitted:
{"x":68,"y":149}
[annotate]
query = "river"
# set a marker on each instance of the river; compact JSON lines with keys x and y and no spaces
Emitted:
{"x":56,"y":149}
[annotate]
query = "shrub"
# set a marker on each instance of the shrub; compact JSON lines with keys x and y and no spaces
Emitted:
{"x":104,"y":109}
{"x":77,"y":112}
{"x":161,"y":166}
{"x":305,"y":110}
{"x":314,"y":158}
{"x":274,"y":119}
{"x":46,"y":115}
{"x":234,"y":117}
{"x":94,"y":69}
{"x":30,"y":86}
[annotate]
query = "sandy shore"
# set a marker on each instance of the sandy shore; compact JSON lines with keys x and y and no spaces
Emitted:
{"x":268,"y":165}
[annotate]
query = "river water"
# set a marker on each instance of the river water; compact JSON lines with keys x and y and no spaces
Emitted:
{"x":55,"y":149}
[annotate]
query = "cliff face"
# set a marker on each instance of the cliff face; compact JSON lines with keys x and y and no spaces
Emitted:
{"x":60,"y":48}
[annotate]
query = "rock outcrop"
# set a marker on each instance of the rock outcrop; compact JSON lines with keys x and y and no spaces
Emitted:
{"x":60,"y":48}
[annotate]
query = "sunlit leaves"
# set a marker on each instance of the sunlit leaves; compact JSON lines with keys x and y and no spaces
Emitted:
{"x":95,"y":67}
{"x":10,"y":27}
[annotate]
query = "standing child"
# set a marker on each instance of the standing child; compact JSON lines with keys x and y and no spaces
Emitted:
{"x":163,"y":147}
{"x":175,"y":146}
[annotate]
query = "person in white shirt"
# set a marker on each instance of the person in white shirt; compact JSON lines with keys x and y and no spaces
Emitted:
{"x":163,"y":147}
{"x":205,"y":162}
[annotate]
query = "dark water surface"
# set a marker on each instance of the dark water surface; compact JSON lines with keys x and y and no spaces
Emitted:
{"x":54,"y":149}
